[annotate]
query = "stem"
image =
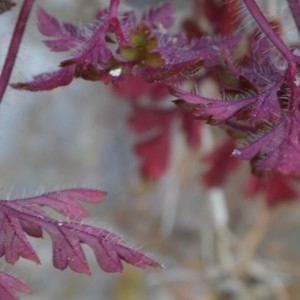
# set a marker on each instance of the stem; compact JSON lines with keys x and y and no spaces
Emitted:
{"x":295,"y":10}
{"x":14,"y":45}
{"x":261,"y":20}
{"x":113,"y":8}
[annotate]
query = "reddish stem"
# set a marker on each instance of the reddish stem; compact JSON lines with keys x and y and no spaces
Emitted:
{"x":265,"y":26}
{"x":14,"y":45}
{"x":113,"y":8}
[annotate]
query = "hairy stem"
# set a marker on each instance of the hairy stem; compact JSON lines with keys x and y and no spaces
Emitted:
{"x":263,"y":23}
{"x":14,"y":45}
{"x":295,"y":10}
{"x":113,"y":8}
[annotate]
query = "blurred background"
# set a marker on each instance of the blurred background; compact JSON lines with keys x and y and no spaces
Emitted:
{"x":215,"y":244}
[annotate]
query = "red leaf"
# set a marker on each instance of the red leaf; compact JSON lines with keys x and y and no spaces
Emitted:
{"x":13,"y":241}
{"x":135,"y":87}
{"x":277,"y":149}
{"x":277,"y":188}
{"x":162,"y":15}
{"x":191,"y":128}
{"x":48,"y":81}
{"x":207,"y":108}
{"x":109,"y":249}
{"x":154,"y":146}
{"x":221,"y":164}
{"x":66,"y":202}
{"x":66,"y":35}
{"x":9,"y":286}
{"x":24,"y":215}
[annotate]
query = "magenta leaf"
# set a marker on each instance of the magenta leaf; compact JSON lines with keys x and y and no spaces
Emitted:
{"x":277,"y":188}
{"x":119,"y":45}
{"x":162,"y":15}
{"x":13,"y":241}
{"x":154,"y":146}
{"x":276,"y":148}
{"x":66,"y":35}
{"x":134,"y":88}
{"x":207,"y":108}
{"x":66,"y":201}
{"x":191,"y":128}
{"x":109,"y":249}
{"x":22,"y":216}
{"x":48,"y":81}
{"x":9,"y":286}
{"x":221,"y":165}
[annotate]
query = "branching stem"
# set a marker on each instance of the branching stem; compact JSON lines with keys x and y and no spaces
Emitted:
{"x":14,"y":45}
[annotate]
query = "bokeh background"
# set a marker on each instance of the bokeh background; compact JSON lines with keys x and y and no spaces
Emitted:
{"x":76,"y":136}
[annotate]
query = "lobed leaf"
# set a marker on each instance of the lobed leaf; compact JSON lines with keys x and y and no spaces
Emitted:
{"x":13,"y":241}
{"x":163,"y":15}
{"x":66,"y":35}
{"x":66,"y":201}
{"x":277,"y":188}
{"x":9,"y":286}
{"x":154,"y":147}
{"x":48,"y":81}
{"x":22,"y":216}
{"x":220,"y":165}
{"x":275,"y":149}
{"x":208,"y":108}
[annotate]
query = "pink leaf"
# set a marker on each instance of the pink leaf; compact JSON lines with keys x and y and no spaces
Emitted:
{"x":48,"y":81}
{"x":276,"y":149}
{"x":206,"y":108}
{"x":66,"y":35}
{"x":163,"y":15}
{"x":48,"y":25}
{"x":66,"y":202}
{"x":110,"y":249}
{"x":13,"y":241}
{"x":221,"y":164}
{"x":154,"y":147}
{"x":191,"y":128}
{"x":24,"y":215}
{"x":277,"y":189}
{"x":9,"y":286}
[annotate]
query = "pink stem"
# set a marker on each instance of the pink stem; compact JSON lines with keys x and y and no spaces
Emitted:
{"x":263,"y":23}
{"x":14,"y":45}
{"x":113,"y":8}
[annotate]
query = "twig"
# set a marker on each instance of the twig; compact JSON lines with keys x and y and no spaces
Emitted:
{"x":15,"y":45}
